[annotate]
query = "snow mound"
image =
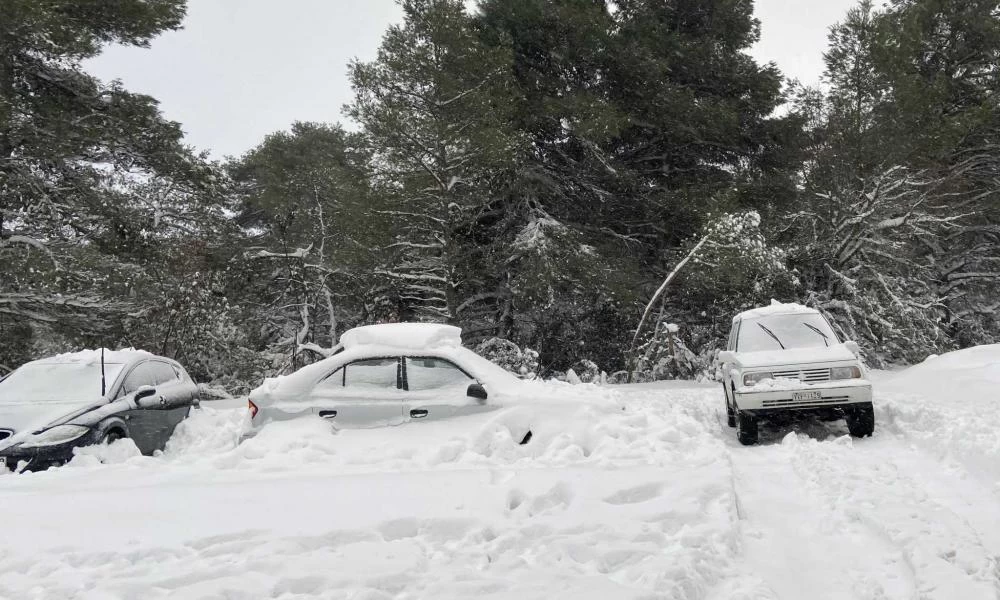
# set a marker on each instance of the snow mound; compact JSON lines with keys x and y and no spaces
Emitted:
{"x":117,"y":453}
{"x":946,"y":406}
{"x":403,"y":335}
{"x":776,"y":308}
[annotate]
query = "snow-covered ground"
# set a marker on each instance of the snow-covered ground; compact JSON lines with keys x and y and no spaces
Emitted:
{"x":623,"y":492}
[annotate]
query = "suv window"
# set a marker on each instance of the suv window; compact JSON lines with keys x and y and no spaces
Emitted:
{"x":372,"y":373}
{"x":142,"y":374}
{"x":433,"y":373}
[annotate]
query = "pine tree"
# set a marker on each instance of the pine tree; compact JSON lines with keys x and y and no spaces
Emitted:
{"x":432,"y":106}
{"x":77,"y":160}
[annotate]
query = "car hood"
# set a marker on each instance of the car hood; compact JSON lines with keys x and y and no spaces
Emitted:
{"x":25,"y":417}
{"x":798,"y":356}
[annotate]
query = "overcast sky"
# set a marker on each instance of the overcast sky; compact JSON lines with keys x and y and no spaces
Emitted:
{"x":241,"y":69}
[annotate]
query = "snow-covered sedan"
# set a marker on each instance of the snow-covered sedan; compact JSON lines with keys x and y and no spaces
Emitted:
{"x":784,"y":360}
{"x":49,"y":407}
{"x":386,"y":375}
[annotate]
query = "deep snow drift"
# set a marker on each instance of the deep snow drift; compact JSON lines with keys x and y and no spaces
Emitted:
{"x":624,"y":492}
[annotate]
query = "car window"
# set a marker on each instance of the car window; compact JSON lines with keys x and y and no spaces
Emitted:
{"x":373,"y":373}
{"x":142,"y":374}
{"x":433,"y":373}
{"x":335,"y":379}
{"x":163,"y":372}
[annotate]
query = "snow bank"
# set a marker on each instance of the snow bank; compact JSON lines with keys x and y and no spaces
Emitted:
{"x":948,"y":405}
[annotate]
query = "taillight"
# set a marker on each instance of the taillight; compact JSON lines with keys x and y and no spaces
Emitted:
{"x":253,"y":408}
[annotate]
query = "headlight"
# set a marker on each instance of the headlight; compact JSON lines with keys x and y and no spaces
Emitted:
{"x":60,"y":434}
{"x":753,"y":378}
{"x":845,"y":373}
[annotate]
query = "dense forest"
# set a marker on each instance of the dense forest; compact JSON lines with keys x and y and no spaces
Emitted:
{"x":530,"y":170}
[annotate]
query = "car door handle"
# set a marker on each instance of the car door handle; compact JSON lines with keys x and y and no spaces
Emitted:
{"x":418,"y":413}
{"x":328,"y":414}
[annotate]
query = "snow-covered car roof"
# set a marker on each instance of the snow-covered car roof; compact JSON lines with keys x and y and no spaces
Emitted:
{"x":776,"y":308}
{"x":394,"y":339}
{"x":403,"y":335}
{"x":125,"y":357}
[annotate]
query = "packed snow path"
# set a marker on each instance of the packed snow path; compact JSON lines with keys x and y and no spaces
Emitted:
{"x":639,"y":492}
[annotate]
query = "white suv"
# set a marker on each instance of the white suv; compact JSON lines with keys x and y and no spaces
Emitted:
{"x":785,"y":359}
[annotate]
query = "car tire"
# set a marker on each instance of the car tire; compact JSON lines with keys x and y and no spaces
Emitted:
{"x":111,"y":436}
{"x":746,"y":428}
{"x":730,"y":413}
{"x":861,"y":420}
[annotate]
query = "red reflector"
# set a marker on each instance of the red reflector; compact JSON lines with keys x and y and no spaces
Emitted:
{"x":253,"y":409}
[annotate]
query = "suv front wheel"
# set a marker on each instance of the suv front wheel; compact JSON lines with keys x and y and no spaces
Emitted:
{"x":746,"y":428}
{"x":861,"y":420}
{"x":730,"y":415}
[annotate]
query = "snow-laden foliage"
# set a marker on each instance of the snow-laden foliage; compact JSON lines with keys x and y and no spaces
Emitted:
{"x":507,"y":354}
{"x":555,"y":175}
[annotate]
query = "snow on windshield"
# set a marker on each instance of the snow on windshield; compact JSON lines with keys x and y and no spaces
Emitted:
{"x":776,"y":332}
{"x":57,"y":382}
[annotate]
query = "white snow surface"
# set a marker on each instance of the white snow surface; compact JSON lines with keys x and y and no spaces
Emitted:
{"x":776,"y":308}
{"x":632,"y":492}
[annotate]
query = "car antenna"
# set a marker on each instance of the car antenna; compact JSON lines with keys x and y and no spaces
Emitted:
{"x":104,"y":385}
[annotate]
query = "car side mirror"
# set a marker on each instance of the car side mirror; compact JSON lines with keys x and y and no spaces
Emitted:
{"x":477,"y":391}
{"x":727,"y":356}
{"x":145,"y":397}
{"x":853,"y":347}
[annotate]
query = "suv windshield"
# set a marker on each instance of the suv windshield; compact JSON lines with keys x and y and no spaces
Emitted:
{"x":783,"y":332}
{"x":57,"y":382}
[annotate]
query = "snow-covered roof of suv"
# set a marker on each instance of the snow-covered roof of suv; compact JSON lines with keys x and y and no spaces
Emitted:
{"x":776,"y":308}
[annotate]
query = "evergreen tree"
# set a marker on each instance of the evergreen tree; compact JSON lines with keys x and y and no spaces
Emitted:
{"x":77,"y":160}
{"x":310,"y":234}
{"x":433,"y":106}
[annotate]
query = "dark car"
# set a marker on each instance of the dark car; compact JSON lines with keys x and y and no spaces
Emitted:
{"x":50,"y":406}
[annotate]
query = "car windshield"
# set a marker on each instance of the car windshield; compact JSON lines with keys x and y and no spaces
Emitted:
{"x":785,"y":332}
{"x":57,"y":382}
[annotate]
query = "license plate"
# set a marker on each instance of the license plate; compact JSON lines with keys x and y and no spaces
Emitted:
{"x":806,"y":396}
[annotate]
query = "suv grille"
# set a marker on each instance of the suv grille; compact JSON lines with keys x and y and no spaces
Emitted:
{"x":805,"y":375}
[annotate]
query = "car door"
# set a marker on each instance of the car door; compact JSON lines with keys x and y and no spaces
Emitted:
{"x":177,"y":397}
{"x":436,"y":388}
{"x":362,"y":393}
{"x":143,"y":425}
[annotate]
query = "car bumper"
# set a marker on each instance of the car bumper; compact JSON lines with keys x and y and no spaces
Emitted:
{"x":803,"y":398}
{"x":43,"y":457}
{"x":35,"y":459}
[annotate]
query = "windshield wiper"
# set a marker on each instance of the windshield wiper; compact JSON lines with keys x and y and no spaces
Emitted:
{"x":771,"y":333}
{"x":826,"y":339}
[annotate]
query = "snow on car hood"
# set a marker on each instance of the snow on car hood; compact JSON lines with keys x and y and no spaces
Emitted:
{"x":23,"y":418}
{"x":796,"y":356}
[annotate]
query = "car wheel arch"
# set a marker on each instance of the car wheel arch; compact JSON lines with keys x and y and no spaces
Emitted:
{"x":109,"y":426}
